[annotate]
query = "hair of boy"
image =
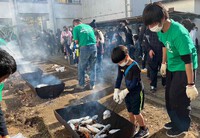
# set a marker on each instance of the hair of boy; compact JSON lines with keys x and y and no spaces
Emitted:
{"x":7,"y":63}
{"x":119,"y":53}
{"x":77,"y":21}
{"x":154,"y":13}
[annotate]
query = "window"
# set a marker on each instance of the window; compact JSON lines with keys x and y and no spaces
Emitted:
{"x":32,"y":1}
{"x":69,"y":1}
{"x":4,"y":0}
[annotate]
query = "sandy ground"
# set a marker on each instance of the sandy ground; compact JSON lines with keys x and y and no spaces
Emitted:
{"x":32,"y":116}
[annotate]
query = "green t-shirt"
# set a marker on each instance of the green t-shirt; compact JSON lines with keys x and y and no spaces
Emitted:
{"x":178,"y":42}
{"x":84,"y":34}
{"x":1,"y":89}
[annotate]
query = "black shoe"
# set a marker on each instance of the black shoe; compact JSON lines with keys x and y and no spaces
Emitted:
{"x":174,"y":132}
{"x":168,"y":126}
{"x":142,"y":133}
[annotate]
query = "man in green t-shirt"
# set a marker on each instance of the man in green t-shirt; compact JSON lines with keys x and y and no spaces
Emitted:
{"x":179,"y":65}
{"x":7,"y":67}
{"x":84,"y":36}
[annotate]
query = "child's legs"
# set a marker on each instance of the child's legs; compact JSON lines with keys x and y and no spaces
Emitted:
{"x":134,"y":103}
{"x":132,"y":118}
{"x":140,"y":120}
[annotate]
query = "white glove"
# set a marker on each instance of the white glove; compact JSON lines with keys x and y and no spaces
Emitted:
{"x":116,"y":95}
{"x":122,"y":95}
{"x":192,"y":92}
{"x":72,"y":45}
{"x":163,"y":70}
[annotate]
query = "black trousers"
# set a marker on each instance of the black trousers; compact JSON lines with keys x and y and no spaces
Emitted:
{"x":3,"y":128}
{"x":154,"y":66}
{"x":177,"y":102}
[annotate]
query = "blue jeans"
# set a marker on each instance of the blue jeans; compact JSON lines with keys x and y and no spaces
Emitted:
{"x":99,"y":63}
{"x":88,"y":56}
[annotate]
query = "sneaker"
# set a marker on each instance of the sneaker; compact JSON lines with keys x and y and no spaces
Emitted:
{"x":174,"y":132}
{"x":91,"y":87}
{"x":168,"y":126}
{"x":153,"y":89}
{"x":142,"y":133}
{"x":79,"y":87}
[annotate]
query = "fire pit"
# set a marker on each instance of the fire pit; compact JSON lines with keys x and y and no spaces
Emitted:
{"x":49,"y":87}
{"x":46,"y":86}
{"x":90,"y":109}
{"x":30,"y":75}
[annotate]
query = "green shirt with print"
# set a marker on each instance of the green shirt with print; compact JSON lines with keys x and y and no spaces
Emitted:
{"x":178,"y":42}
{"x":1,"y":89}
{"x":84,"y":34}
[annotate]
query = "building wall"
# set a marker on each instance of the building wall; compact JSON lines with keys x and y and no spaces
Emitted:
{"x":5,"y":10}
{"x":197,"y":6}
{"x":102,"y":10}
{"x":32,"y":7}
{"x":65,"y":13}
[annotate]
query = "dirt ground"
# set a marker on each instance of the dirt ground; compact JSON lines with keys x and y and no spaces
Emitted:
{"x":32,"y":116}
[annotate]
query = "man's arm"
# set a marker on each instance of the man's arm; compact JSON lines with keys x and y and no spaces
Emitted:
{"x":188,"y":68}
{"x":189,"y":73}
{"x":119,"y":79}
{"x":164,"y":57}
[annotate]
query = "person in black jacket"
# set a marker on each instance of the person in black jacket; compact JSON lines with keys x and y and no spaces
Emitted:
{"x":154,"y":57}
{"x":126,"y":33}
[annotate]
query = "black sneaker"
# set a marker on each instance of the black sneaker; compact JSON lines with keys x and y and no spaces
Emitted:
{"x":142,"y":133}
{"x":174,"y":132}
{"x":168,"y":126}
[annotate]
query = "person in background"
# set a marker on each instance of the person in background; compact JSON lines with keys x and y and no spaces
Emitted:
{"x":137,"y":48}
{"x":7,"y":67}
{"x":66,"y":38}
{"x":179,"y":65}
{"x":133,"y":94}
{"x":52,"y":40}
{"x":154,"y":57}
{"x":126,"y":33}
{"x":192,"y":29}
{"x":59,"y":46}
{"x":84,"y":36}
{"x":100,"y":48}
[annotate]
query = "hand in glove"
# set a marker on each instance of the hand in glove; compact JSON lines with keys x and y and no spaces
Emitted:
{"x":116,"y":95}
{"x":192,"y":92}
{"x":163,"y":70}
{"x":122,"y":95}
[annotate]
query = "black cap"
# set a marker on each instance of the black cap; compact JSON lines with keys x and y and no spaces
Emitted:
{"x":93,"y":24}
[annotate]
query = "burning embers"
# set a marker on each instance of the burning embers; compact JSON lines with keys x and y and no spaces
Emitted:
{"x":87,"y":127}
{"x":90,"y":120}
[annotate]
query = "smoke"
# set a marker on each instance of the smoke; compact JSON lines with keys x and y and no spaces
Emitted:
{"x":29,"y":72}
{"x":45,"y":80}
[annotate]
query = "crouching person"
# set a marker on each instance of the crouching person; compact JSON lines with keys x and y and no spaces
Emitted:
{"x":7,"y":67}
{"x":133,"y":94}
